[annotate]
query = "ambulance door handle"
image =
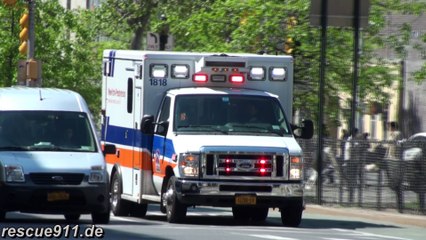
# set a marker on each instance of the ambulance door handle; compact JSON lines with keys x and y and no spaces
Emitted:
{"x":125,"y":133}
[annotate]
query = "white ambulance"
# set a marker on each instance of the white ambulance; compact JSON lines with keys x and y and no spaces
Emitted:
{"x":50,"y":156}
{"x":202,"y":129}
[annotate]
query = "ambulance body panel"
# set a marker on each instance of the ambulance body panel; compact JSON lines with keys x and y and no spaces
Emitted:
{"x":201,"y":129}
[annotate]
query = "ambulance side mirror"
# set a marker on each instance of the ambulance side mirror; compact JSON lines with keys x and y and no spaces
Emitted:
{"x":305,"y":131}
{"x":163,"y":128}
{"x":147,"y":124}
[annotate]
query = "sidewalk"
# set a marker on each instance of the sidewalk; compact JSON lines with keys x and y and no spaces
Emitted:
{"x":385,"y":216}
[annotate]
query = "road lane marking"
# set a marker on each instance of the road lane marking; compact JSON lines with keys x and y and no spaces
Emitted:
{"x":272,"y":237}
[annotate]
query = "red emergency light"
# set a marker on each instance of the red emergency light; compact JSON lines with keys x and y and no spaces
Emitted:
{"x":263,"y":164}
{"x":236,"y":78}
{"x":200,"y":77}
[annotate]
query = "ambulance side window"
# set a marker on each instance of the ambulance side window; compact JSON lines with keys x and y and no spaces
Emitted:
{"x":163,"y":117}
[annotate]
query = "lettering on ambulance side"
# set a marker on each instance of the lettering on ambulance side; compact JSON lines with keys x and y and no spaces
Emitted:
{"x":115,"y":96}
{"x":161,"y":82}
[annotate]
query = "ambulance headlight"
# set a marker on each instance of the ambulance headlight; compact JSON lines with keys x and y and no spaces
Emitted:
{"x":277,"y":73}
{"x":14,"y":173}
{"x":180,"y":71}
{"x":296,"y":168}
{"x":189,"y":165}
{"x":257,"y":73}
{"x":97,"y":174}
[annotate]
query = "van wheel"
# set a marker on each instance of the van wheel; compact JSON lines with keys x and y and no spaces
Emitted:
{"x":72,"y":217}
{"x":100,"y":218}
{"x":176,"y":211}
{"x":119,"y":206}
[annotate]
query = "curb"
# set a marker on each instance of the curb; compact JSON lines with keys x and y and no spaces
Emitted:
{"x":381,"y":216}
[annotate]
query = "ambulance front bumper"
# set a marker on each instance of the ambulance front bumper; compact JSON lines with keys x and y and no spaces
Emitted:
{"x":225,"y":193}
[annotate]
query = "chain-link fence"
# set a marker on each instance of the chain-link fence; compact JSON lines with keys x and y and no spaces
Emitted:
{"x":367,"y":175}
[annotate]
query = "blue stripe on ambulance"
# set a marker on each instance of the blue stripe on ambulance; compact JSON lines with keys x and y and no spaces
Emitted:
{"x":136,"y":138}
{"x":170,"y":149}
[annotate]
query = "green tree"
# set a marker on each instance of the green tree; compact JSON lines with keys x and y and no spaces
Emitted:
{"x":254,"y":26}
{"x":67,"y":44}
{"x":70,"y":43}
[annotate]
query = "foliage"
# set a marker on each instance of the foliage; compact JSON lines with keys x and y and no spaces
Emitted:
{"x":70,"y":43}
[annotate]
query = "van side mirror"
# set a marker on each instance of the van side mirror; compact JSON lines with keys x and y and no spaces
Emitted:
{"x":109,"y":149}
{"x":147,"y":124}
{"x":305,"y":131}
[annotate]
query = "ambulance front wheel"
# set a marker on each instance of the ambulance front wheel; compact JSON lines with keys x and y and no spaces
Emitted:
{"x":119,"y":206}
{"x":175,"y":210}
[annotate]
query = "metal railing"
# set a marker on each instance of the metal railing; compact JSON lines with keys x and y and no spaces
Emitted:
{"x":369,"y":177}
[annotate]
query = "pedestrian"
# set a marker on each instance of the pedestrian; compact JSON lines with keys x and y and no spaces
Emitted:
{"x":393,"y":140}
{"x":353,"y":161}
{"x":394,"y":167}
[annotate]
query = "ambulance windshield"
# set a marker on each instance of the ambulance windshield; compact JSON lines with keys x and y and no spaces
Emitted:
{"x":229,"y":114}
{"x":46,"y":131}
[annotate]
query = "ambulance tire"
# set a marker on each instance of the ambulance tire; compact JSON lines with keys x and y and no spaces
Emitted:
{"x":176,"y":211}
{"x":291,"y":216}
{"x":119,"y":207}
{"x":163,"y":203}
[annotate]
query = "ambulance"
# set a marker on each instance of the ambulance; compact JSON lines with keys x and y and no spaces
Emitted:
{"x":51,"y":160}
{"x":202,"y":129}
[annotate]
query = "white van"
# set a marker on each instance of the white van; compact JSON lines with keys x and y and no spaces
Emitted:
{"x":51,"y":159}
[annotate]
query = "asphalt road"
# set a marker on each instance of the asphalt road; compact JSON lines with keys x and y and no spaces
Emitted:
{"x":319,"y":223}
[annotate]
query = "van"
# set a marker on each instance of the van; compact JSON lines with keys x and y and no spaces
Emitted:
{"x":51,"y":159}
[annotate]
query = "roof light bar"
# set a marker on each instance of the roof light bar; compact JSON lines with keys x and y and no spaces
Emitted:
{"x":200,"y":77}
{"x":236,"y":78}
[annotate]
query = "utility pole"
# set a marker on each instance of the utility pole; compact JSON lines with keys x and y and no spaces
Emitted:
{"x":29,"y":70}
{"x":31,"y":32}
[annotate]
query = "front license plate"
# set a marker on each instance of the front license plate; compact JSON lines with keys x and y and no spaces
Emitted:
{"x":57,"y":196}
{"x":245,"y":200}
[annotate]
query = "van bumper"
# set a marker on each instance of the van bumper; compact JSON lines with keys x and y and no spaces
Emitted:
{"x":55,"y":199}
{"x":224,"y":193}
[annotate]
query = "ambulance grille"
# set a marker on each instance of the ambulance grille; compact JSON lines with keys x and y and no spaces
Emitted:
{"x":244,"y":165}
{"x":57,"y":178}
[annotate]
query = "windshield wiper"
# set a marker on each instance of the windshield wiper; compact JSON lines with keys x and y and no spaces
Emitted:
{"x":251,"y":126}
{"x":216,"y":129}
{"x":55,"y":148}
{"x":13,"y":148}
